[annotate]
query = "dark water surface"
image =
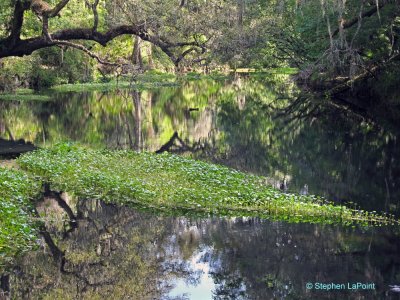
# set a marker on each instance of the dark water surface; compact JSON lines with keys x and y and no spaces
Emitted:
{"x":120,"y":253}
{"x":250,"y":124}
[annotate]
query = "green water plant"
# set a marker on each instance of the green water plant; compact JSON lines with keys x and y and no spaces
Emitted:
{"x":110,"y":86}
{"x":24,"y":95}
{"x":177,"y":184}
{"x":17,"y":227}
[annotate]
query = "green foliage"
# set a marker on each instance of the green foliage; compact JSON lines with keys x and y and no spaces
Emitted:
{"x":15,"y":72}
{"x":150,"y":80}
{"x":6,"y":82}
{"x":17,"y":233}
{"x":5,"y":17}
{"x":42,"y":78}
{"x":64,"y":66}
{"x":353,"y":49}
{"x":237,"y":33}
{"x":156,"y":76}
{"x":172,"y":183}
{"x":145,"y":82}
{"x":45,"y":68}
{"x":24,"y":95}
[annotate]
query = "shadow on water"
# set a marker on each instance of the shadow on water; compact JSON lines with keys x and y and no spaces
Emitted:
{"x":10,"y":148}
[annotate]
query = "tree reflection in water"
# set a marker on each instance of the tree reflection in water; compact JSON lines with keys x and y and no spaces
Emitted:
{"x":261,"y":125}
{"x":252,"y":124}
{"x":120,"y":253}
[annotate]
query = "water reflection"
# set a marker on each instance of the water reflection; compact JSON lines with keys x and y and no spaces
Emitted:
{"x":252,"y":124}
{"x":120,"y":253}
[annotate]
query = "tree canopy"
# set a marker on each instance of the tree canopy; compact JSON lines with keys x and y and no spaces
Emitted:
{"x":343,"y":42}
{"x":108,"y":22}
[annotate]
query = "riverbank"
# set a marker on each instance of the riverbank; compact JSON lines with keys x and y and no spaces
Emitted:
{"x":146,"y":81}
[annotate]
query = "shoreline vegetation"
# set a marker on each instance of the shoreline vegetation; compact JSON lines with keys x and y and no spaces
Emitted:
{"x":141,"y":82}
{"x":149,"y":80}
{"x":356,"y":63}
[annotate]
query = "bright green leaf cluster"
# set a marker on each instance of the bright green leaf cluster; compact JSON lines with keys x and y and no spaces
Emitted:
{"x":17,"y":233}
{"x":176,"y":184}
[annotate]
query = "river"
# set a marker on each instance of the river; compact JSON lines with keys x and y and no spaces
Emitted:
{"x":262,"y":125}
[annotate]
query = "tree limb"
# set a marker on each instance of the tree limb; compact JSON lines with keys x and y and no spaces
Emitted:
{"x":56,"y":10}
{"x":368,"y":13}
{"x":26,"y":47}
{"x":95,"y":12}
{"x":86,"y":50}
{"x":363,"y":76}
{"x":186,"y":52}
{"x":18,"y":17}
{"x":14,"y":46}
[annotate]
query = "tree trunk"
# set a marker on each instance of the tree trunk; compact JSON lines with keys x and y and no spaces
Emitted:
{"x":150,"y":56}
{"x":4,"y":285}
{"x":150,"y":125}
{"x":137,"y":55}
{"x":137,"y":103}
{"x":240,"y":12}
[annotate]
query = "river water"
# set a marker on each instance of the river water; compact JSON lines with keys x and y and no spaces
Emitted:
{"x":259,"y":125}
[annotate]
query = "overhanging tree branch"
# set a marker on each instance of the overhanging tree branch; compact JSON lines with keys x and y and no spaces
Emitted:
{"x":187,"y":51}
{"x":354,"y":21}
{"x":45,"y":13}
{"x":86,"y":50}
{"x":26,"y":47}
{"x":56,"y":10}
{"x":14,"y":46}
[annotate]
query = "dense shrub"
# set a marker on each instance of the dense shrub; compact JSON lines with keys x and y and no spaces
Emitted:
{"x":15,"y":72}
{"x":42,"y":78}
{"x":45,"y":68}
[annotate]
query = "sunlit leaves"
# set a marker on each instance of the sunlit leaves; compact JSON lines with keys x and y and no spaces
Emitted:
{"x":173,"y":183}
{"x":16,"y":225}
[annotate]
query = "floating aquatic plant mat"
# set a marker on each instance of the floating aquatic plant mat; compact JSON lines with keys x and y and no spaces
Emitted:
{"x":174,"y":183}
{"x":17,"y":233}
